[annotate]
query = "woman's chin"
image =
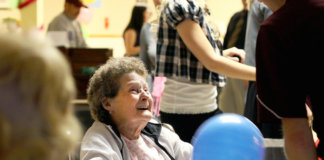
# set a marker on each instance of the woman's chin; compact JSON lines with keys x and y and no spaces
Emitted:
{"x":147,"y":114}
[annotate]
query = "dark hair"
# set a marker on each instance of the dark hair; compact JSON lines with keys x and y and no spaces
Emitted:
{"x":77,"y":3}
{"x":137,"y":19}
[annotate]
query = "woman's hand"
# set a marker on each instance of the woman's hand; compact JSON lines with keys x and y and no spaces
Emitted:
{"x":235,"y":54}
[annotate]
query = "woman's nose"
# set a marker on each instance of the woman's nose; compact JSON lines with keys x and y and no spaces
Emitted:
{"x":144,"y":98}
{"x":144,"y":95}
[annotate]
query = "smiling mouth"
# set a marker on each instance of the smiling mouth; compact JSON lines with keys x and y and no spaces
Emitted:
{"x":142,"y":109}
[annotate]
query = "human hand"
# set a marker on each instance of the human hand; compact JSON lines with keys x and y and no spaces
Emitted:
{"x":235,"y":54}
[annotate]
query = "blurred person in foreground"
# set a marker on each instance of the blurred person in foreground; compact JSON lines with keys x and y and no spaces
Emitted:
{"x":36,"y":89}
{"x":288,"y":46}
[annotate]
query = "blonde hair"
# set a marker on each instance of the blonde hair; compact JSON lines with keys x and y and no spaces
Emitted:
{"x":105,"y":83}
{"x":36,"y":89}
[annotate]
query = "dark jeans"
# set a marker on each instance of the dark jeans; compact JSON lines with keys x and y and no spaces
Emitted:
{"x":185,"y":125}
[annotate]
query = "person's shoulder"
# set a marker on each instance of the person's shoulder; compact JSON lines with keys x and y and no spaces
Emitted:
{"x":167,"y":130}
{"x":278,"y":18}
{"x":179,"y":10}
{"x":147,"y":26}
{"x":259,"y":9}
{"x":238,"y":13}
{"x":314,"y":12}
{"x":130,"y":31}
{"x":97,"y":130}
{"x":316,"y":7}
{"x":99,"y":142}
{"x":182,"y":4}
{"x":58,"y":18}
{"x":58,"y":23}
{"x":285,"y":17}
{"x":236,"y":16}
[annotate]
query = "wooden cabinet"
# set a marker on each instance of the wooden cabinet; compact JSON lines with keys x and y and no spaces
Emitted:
{"x":83,"y":63}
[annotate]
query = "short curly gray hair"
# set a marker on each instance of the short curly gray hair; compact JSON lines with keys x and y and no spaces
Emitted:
{"x":105,"y":83}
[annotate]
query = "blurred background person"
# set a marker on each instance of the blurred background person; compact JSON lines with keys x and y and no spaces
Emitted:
{"x":121,"y":104}
{"x":67,"y":21}
{"x":36,"y":114}
{"x":232,"y":96}
{"x":271,"y":131}
{"x":258,"y":14}
{"x":147,"y":55}
{"x":148,"y":47}
{"x":140,"y":15}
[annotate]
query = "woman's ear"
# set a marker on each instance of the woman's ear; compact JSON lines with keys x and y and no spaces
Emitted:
{"x":105,"y":103}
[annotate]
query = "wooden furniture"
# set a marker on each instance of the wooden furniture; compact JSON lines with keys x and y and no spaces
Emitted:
{"x":82,"y":59}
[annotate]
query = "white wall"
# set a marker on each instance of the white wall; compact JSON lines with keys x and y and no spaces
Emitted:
{"x":222,"y":10}
{"x":15,"y":14}
{"x":118,"y":13}
{"x":51,"y":9}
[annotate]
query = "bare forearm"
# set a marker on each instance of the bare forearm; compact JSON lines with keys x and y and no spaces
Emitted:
{"x":198,"y":44}
{"x":133,"y":51}
{"x":231,"y":68}
{"x":299,"y":144}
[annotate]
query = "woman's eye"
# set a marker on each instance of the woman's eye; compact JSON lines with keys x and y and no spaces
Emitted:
{"x":134,"y":90}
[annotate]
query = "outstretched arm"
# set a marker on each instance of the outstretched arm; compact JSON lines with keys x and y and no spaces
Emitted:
{"x":194,"y":38}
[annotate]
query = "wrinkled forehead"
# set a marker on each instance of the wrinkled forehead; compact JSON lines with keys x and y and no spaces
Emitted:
{"x":132,"y":77}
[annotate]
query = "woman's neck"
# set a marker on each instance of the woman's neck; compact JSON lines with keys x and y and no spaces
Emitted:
{"x":131,"y":133}
{"x":275,"y":4}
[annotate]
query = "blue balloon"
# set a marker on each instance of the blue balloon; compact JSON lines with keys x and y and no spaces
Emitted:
{"x":228,"y":136}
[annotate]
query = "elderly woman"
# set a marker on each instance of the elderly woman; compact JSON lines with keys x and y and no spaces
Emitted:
{"x":121,"y":104}
{"x":36,"y":90}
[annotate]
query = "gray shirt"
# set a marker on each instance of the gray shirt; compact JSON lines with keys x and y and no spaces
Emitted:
{"x":63,"y":23}
{"x":148,"y":47}
{"x":148,"y":51}
{"x":257,"y":14}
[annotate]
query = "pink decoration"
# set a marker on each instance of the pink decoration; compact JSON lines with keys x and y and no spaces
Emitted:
{"x":158,"y":87}
{"x":26,"y":3}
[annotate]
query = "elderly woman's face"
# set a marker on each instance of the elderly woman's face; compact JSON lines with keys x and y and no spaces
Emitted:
{"x":133,"y":103}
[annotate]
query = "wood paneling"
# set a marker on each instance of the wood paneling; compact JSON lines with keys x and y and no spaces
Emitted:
{"x":82,"y":59}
